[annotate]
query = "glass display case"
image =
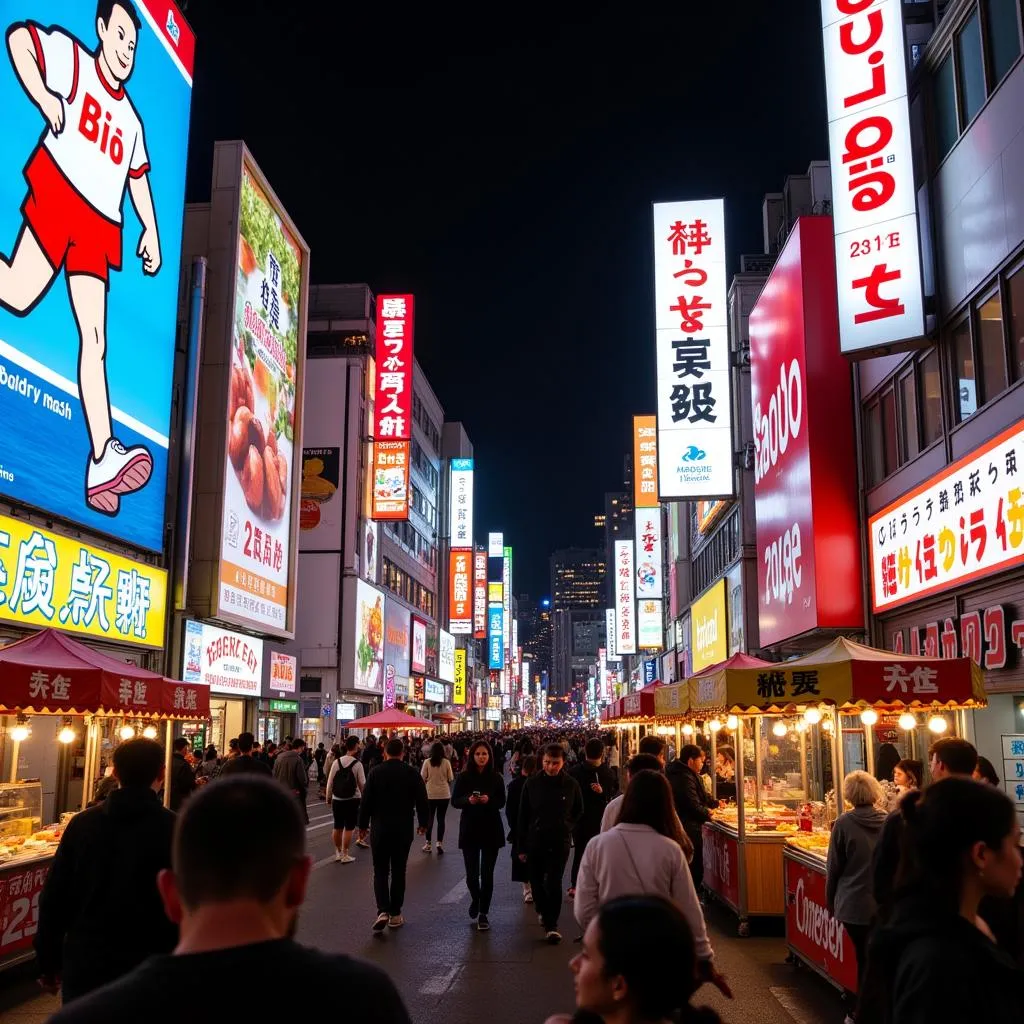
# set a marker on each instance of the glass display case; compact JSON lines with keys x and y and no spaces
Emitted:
{"x":21,"y":808}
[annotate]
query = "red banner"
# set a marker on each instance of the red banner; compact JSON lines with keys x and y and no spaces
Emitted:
{"x":394,"y":357}
{"x":19,"y":906}
{"x":722,"y":865}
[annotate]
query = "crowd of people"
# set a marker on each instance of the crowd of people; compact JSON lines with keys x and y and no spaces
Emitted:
{"x":922,"y":880}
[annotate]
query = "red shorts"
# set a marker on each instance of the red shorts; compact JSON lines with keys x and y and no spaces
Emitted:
{"x":70,"y":231}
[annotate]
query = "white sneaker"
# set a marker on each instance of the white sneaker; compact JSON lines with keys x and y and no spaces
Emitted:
{"x":119,"y":470}
{"x":338,"y":857}
{"x":347,"y":859}
{"x":426,"y":846}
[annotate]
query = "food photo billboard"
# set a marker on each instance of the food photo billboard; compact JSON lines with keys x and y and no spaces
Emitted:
{"x":92,"y":190}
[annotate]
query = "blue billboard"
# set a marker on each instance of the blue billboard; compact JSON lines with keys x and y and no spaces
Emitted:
{"x":92,"y":190}
{"x":495,"y":637}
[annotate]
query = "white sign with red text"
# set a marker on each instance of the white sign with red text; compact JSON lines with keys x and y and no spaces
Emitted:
{"x":227,"y":662}
{"x":625,"y":609}
{"x":649,"y":576}
{"x":874,"y":208}
{"x":692,"y":341}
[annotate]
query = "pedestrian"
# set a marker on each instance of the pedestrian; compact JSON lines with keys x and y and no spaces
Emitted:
{"x":480,"y":795}
{"x":848,"y":895}
{"x":597,"y":784}
{"x":237,"y":902}
{"x":638,"y":763}
{"x":183,"y":778}
{"x":934,"y":957}
{"x":372,"y":754}
{"x":246,"y":761}
{"x":208,"y":766}
{"x":643,"y":853}
{"x":523,"y":750}
{"x":549,"y":809}
{"x":345,"y":785}
{"x":520,"y":872}
{"x":291,"y":771}
{"x":320,"y":757}
{"x":725,"y":773}
{"x":638,"y":965}
{"x":906,"y":776}
{"x":270,"y":753}
{"x":984,"y":771}
{"x":109,"y":856}
{"x":885,"y":762}
{"x":438,"y":777}
{"x":693,"y":803}
{"x":394,"y":791}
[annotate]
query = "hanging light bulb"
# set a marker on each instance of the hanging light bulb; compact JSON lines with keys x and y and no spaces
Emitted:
{"x":66,"y":735}
{"x":149,"y":732}
{"x":937,"y":724}
{"x":127,"y":732}
{"x":812,"y":716}
{"x":20,"y":732}
{"x":828,"y":725}
{"x":869,"y":716}
{"x":779,"y":728}
{"x":908,"y":721}
{"x":714,"y":725}
{"x":731,"y":722}
{"x":687,"y":729}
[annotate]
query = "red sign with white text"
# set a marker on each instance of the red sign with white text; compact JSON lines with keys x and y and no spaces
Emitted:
{"x":175,"y":32}
{"x":460,"y":591}
{"x":392,"y":416}
{"x":805,"y":470}
{"x":722,"y":865}
{"x":812,"y":931}
{"x":19,"y":907}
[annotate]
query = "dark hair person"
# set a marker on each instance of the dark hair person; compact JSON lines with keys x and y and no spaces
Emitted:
{"x":985,"y":771}
{"x":438,"y":777}
{"x":934,"y":958}
{"x":637,"y":966}
{"x":885,"y":761}
{"x":648,"y":801}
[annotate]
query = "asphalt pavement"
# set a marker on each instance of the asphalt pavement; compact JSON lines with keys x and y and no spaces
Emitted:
{"x":448,"y":972}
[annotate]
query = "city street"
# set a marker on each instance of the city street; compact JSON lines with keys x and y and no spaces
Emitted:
{"x":447,"y":971}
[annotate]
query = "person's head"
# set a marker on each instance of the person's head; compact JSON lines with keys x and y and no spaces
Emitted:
{"x":371,"y":740}
{"x":233,"y":747}
{"x":692,"y":756}
{"x":908,"y":773}
{"x":984,"y":771}
{"x":351,"y":745}
{"x":394,"y":750}
{"x":181,"y":745}
{"x":271,"y":747}
{"x":862,"y":790}
{"x":642,"y":763}
{"x":118,"y":26}
{"x":215,"y":862}
{"x":648,"y":801}
{"x":725,"y":757}
{"x":256,"y":746}
{"x":481,"y":757}
{"x":885,"y":761}
{"x":320,"y":746}
{"x":960,"y":833}
{"x":245,"y":742}
{"x":653,"y":745}
{"x":437,"y":754}
{"x":211,"y":753}
{"x":139,"y":764}
{"x":298,"y":744}
{"x":526,"y":746}
{"x":637,"y":959}
{"x":529,"y":765}
{"x":594,"y":750}
{"x":951,"y":756}
{"x":552,"y":759}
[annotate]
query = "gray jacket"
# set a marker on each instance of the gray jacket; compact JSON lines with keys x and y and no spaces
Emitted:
{"x":848,"y":872}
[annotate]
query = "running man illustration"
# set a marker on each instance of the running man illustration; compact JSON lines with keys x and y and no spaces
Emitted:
{"x":92,"y":148}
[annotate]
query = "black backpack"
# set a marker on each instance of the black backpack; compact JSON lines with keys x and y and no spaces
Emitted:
{"x":345,"y":783}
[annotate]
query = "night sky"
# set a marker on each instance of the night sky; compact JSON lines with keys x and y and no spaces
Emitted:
{"x":500,"y":164}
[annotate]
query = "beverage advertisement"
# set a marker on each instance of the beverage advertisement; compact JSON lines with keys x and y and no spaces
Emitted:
{"x":368,"y":674}
{"x":267,"y":338}
{"x":92,"y":190}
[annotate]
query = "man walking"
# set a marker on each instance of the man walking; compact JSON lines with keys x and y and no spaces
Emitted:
{"x":394,"y":791}
{"x":291,"y":770}
{"x":183,"y":777}
{"x":550,"y":808}
{"x":597,"y":785}
{"x":693,"y":803}
{"x":246,"y":760}
{"x":345,"y":785}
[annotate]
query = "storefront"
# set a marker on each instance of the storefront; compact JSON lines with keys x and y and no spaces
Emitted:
{"x":278,"y":706}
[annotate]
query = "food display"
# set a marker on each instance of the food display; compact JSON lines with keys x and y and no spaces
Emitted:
{"x":36,"y":844}
{"x":811,"y":842}
{"x":770,"y":818}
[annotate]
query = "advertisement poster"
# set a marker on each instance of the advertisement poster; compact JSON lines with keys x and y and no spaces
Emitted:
{"x":397,"y":637}
{"x":368,"y":674}
{"x":459,"y":685}
{"x":649,"y":635}
{"x":446,"y":656}
{"x":479,"y":595}
{"x":495,"y":637}
{"x":49,"y":580}
{"x":433,"y":691}
{"x":645,"y":461}
{"x":91,"y":206}
{"x":649,"y":572}
{"x":391,"y":480}
{"x":394,"y":366}
{"x":320,"y":504}
{"x":368,"y":552}
{"x":284,"y":669}
{"x":227,"y":662}
{"x":710,"y":641}
{"x":418,"y":660}
{"x":625,"y":625}
{"x":19,"y":907}
{"x":460,"y":589}
{"x":267,"y":328}
{"x":460,"y":510}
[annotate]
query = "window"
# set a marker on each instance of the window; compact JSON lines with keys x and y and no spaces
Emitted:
{"x":963,"y":370}
{"x":1003,"y":36}
{"x":1015,"y":292}
{"x":991,"y":349}
{"x":911,"y":440}
{"x":890,"y":447}
{"x":930,"y":397}
{"x":971,"y":67}
{"x":947,"y":128}
{"x":875,"y":459}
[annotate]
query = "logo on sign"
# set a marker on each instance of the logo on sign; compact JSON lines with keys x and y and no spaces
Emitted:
{"x":707,"y":631}
{"x":817,"y":924}
{"x":172,"y":28}
{"x":775,"y":427}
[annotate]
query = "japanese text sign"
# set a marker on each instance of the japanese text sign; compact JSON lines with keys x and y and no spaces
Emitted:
{"x":446,"y":656}
{"x":710,"y":640}
{"x":479,"y":594}
{"x":985,"y":635}
{"x":645,"y":461}
{"x":390,"y":480}
{"x":649,"y":572}
{"x":20,"y":889}
{"x":609,"y":634}
{"x":461,"y":503}
{"x":284,"y":668}
{"x":495,"y":637}
{"x":50,"y":580}
{"x":625,"y":615}
{"x":495,"y":545}
{"x":459,"y":686}
{"x":226,"y":662}
{"x":394,"y":352}
{"x":964,"y":523}
{"x":649,"y":636}
{"x":460,"y":592}
{"x":878,"y":263}
{"x":694,"y":412}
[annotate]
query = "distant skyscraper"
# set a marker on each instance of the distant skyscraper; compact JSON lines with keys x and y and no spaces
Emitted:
{"x":577,"y":578}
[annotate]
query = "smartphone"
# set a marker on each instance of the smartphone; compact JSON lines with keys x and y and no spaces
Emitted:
{"x":476,"y":792}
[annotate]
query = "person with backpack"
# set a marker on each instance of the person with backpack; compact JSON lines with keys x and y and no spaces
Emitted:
{"x":345,"y":785}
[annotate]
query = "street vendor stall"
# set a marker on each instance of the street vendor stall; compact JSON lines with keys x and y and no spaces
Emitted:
{"x":633,"y":716}
{"x":787,"y":721}
{"x":392,"y":718}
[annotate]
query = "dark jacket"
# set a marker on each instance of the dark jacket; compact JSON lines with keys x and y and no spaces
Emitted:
{"x":243,"y":764}
{"x":929,"y":964}
{"x":885,"y":860}
{"x":480,"y":825}
{"x":549,"y":810}
{"x":108,"y":858}
{"x":291,"y":770}
{"x":693,"y":801}
{"x":848,"y":885}
{"x":512,"y":800}
{"x":183,"y":781}
{"x":394,"y":791}
{"x":371,"y":757}
{"x":593,"y":803}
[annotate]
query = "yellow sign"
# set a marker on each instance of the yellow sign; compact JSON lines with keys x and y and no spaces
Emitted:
{"x":671,"y":700}
{"x":459,"y":686}
{"x":710,"y":635}
{"x":50,"y":580}
{"x":494,"y":593}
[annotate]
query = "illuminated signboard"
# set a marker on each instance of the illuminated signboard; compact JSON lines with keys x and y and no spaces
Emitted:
{"x":649,"y":632}
{"x":460,"y":592}
{"x":418,"y":658}
{"x":390,"y":480}
{"x":394,"y":365}
{"x":710,"y":639}
{"x":649,"y":572}
{"x":284,"y":669}
{"x":609,"y":634}
{"x":460,"y":506}
{"x":645,"y":461}
{"x":495,"y":637}
{"x":459,"y":685}
{"x":446,"y":656}
{"x":625,"y":618}
{"x":226,"y":662}
{"x":495,"y":545}
{"x":479,"y":594}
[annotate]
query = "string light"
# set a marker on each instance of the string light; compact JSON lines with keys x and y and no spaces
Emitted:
{"x":20,"y":733}
{"x":714,"y":725}
{"x":779,"y":728}
{"x":812,"y":716}
{"x":127,"y":732}
{"x":937,"y":724}
{"x":731,"y":722}
{"x":66,"y":735}
{"x":687,"y":729}
{"x":149,"y":732}
{"x":908,"y":721}
{"x":869,"y":716}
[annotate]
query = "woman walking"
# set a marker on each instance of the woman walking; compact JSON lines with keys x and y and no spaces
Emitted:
{"x":480,"y":795}
{"x":520,"y":872}
{"x":437,"y":774}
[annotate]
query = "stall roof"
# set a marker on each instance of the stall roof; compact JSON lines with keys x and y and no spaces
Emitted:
{"x":390,"y":719}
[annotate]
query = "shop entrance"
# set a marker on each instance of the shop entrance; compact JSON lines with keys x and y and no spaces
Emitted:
{"x":227,"y":720}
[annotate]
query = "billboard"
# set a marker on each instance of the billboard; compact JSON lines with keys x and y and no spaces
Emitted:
{"x":459,"y":684}
{"x":460,"y":504}
{"x":460,"y":592}
{"x":433,"y":691}
{"x":649,"y":632}
{"x":609,"y":634}
{"x":805,"y":469}
{"x":50,"y":580}
{"x":418,"y":658}
{"x":87,"y":363}
{"x":394,"y":364}
{"x":496,"y":594}
{"x":284,"y":671}
{"x":397,"y":637}
{"x":368,"y":669}
{"x":625,"y":625}
{"x":650,"y":582}
{"x":495,"y":545}
{"x":645,"y":461}
{"x":446,"y":656}
{"x":506,"y":597}
{"x":368,"y":551}
{"x":710,"y":634}
{"x":695,"y":457}
{"x":495,"y":637}
{"x":320,"y":511}
{"x":874,"y":200}
{"x":390,"y":480}
{"x":479,"y":595}
{"x":227,"y":662}
{"x":267,"y":357}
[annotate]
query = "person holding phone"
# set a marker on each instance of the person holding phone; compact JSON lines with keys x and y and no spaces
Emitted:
{"x":480,"y":794}
{"x":598,"y":786}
